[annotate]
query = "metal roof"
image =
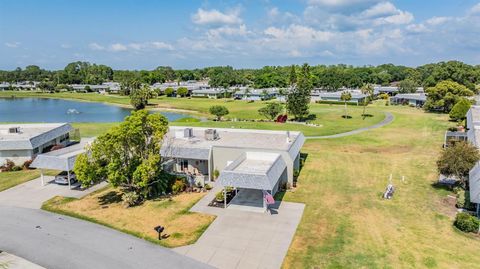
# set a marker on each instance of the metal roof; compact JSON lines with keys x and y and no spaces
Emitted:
{"x":62,"y":159}
{"x":31,"y":135}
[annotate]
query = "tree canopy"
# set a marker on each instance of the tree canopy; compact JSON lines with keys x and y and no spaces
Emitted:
{"x":457,"y":160}
{"x":218,"y":111}
{"x":127,"y":156}
{"x":444,"y":95}
{"x":460,"y":109}
{"x":271,"y":110}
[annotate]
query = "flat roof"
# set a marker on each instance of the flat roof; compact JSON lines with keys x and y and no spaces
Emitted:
{"x":30,"y":135}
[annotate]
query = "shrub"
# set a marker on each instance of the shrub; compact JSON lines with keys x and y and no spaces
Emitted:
{"x":131,"y":199}
{"x":208,"y":187}
{"x":460,"y":109}
{"x":16,"y":168}
{"x":178,"y":186}
{"x":466,"y":222}
{"x":169,"y":91}
{"x":219,"y":196}
{"x":218,"y":111}
{"x":216,"y":174}
{"x":9,"y":164}
{"x":182,"y":91}
{"x":26,"y":164}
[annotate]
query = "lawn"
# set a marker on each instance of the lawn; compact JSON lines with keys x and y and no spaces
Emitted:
{"x":105,"y":207}
{"x":11,"y":179}
{"x":346,"y":224}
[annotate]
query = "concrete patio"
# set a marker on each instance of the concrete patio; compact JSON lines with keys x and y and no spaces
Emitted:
{"x":245,"y":239}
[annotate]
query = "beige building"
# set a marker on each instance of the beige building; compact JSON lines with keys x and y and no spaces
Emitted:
{"x":22,"y":142}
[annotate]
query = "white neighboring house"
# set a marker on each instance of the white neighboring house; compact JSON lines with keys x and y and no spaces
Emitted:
{"x":473,"y":136}
{"x":357,"y":96}
{"x":22,"y":142}
{"x":211,"y":93}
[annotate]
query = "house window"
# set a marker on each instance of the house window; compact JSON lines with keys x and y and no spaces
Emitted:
{"x":183,"y":164}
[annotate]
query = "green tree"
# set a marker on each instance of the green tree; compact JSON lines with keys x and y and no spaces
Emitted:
{"x":182,"y":91}
{"x":368,"y":90}
{"x":345,"y":97}
{"x":292,"y":79}
{"x":298,"y":100}
{"x":127,"y":156}
{"x":139,"y":97}
{"x":271,"y":110}
{"x":407,"y":86}
{"x":445,"y":95}
{"x":169,"y":91}
{"x":218,"y":111}
{"x":457,"y":160}
{"x":460,"y":109}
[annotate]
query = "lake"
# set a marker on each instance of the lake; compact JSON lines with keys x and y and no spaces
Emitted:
{"x":58,"y":110}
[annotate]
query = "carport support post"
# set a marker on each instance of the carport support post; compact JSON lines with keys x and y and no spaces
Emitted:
{"x":68,"y":179}
{"x":41,"y":177}
{"x":225,"y":197}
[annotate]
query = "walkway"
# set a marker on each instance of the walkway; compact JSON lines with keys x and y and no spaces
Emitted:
{"x":387,"y":120}
{"x":32,"y":194}
{"x":14,"y":262}
{"x":55,"y":241}
{"x":242,"y":239}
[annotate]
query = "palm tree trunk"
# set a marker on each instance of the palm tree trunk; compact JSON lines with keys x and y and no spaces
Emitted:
{"x":345,"y":110}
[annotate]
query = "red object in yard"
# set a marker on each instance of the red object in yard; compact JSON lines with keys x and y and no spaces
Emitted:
{"x":269,"y":199}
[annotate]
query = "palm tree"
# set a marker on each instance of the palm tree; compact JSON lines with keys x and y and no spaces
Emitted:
{"x":345,"y":97}
{"x":366,"y":89}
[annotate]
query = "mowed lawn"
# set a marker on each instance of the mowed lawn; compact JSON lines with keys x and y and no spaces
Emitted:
{"x":105,"y":207}
{"x":346,"y":224}
{"x":11,"y":179}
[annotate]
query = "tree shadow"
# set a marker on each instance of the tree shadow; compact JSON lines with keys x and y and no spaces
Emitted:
{"x":110,"y":198}
{"x":367,"y":115}
{"x":311,"y":117}
{"x":346,"y":116}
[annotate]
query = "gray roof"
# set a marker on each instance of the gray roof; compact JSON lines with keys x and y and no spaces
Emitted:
{"x":62,"y":159}
{"x":253,"y":170}
{"x":209,"y":91}
{"x":31,"y":135}
{"x":338,"y":94}
{"x":411,"y":96}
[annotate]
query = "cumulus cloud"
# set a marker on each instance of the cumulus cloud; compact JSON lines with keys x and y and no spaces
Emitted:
{"x":119,"y":47}
{"x":95,"y":46}
{"x":216,"y":17}
{"x":12,"y":44}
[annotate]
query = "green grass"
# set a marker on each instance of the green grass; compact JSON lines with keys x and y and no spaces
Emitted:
{"x":347,"y":225}
{"x":11,"y":179}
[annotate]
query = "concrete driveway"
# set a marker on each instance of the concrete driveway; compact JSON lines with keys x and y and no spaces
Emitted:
{"x":243,"y":239}
{"x":53,"y":241}
{"x":32,"y":194}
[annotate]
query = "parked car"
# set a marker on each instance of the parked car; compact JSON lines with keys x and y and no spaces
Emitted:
{"x":62,"y":178}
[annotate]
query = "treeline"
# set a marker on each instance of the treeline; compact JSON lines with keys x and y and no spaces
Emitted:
{"x":331,"y":77}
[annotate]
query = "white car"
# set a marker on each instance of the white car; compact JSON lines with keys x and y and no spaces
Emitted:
{"x":62,"y":178}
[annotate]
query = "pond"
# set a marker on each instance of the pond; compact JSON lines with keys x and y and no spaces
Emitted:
{"x":58,"y":110}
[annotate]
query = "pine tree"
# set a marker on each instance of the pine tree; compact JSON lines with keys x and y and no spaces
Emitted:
{"x":299,"y":98}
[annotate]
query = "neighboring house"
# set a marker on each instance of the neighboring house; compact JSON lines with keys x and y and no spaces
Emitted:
{"x":113,"y":87}
{"x":390,"y":90}
{"x":22,"y":85}
{"x":357,"y":96}
{"x":212,"y":93}
{"x":22,"y":142}
{"x":473,"y":136}
{"x":4,"y":86}
{"x":256,"y":94}
{"x":413,"y":99}
{"x":191,"y":85}
{"x":93,"y":88}
{"x":249,"y":159}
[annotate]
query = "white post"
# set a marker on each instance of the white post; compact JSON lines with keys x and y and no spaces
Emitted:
{"x":225,"y":197}
{"x":68,"y":179}
{"x":41,"y":177}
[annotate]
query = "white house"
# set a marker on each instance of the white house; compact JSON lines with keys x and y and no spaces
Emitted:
{"x":256,"y":94}
{"x":251,"y":160}
{"x":211,"y":93}
{"x":319,"y":96}
{"x":22,"y":142}
{"x":413,"y":99}
{"x":473,"y":136}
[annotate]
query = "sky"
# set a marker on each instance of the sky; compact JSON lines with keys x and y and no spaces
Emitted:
{"x":127,"y":34}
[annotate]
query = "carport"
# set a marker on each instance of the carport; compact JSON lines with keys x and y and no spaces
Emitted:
{"x":61,"y":159}
{"x":254,"y":174}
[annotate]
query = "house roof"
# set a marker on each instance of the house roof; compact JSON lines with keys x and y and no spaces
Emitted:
{"x":355,"y":94}
{"x":411,"y":96}
{"x":31,"y":135}
{"x":253,"y":170}
{"x":61,"y":159}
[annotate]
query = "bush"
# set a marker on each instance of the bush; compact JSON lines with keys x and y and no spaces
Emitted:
{"x":26,"y":164}
{"x":219,"y":196}
{"x":218,"y":111}
{"x":178,"y":186}
{"x":459,"y":110}
{"x":466,"y":223}
{"x":16,"y":168}
{"x":169,"y":91}
{"x":9,"y":164}
{"x":208,"y":187}
{"x":131,"y":199}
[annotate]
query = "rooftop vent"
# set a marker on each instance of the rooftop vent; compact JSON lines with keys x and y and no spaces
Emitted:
{"x":211,"y":135}
{"x":14,"y":130}
{"x":185,"y":133}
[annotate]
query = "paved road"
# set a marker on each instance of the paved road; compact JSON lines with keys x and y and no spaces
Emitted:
{"x":388,"y":119}
{"x":55,"y":241}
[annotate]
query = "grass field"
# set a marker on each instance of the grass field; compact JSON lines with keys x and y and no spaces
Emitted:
{"x":11,"y":179}
{"x":347,"y":225}
{"x":105,"y":207}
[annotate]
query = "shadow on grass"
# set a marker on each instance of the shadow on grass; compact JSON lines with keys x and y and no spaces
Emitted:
{"x":110,"y":198}
{"x":346,"y":116}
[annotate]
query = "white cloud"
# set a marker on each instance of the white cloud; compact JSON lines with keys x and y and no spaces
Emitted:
{"x":215,"y":17}
{"x":95,"y":46}
{"x":380,"y":10}
{"x":437,"y":20}
{"x":12,"y":44}
{"x":474,"y":10}
{"x":339,"y":3}
{"x":118,"y":47}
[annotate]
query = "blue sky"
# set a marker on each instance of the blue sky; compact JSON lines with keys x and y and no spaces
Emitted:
{"x":193,"y":34}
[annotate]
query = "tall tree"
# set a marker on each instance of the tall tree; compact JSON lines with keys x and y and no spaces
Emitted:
{"x":445,"y":95}
{"x":292,"y":79}
{"x":298,"y":100}
{"x":345,"y":97}
{"x":368,"y":90}
{"x":457,"y":160}
{"x":127,"y":156}
{"x":139,"y":97}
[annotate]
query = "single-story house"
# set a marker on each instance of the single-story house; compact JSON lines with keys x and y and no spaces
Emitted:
{"x":413,"y":99}
{"x":93,"y":88}
{"x":256,"y":94}
{"x":212,"y":93}
{"x":473,"y":136}
{"x":257,"y":160}
{"x":22,"y":142}
{"x":357,"y":96}
{"x":191,"y":85}
{"x":390,"y":90}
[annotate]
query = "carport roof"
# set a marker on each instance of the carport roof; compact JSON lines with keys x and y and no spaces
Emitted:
{"x":62,"y":159}
{"x":254,"y":170}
